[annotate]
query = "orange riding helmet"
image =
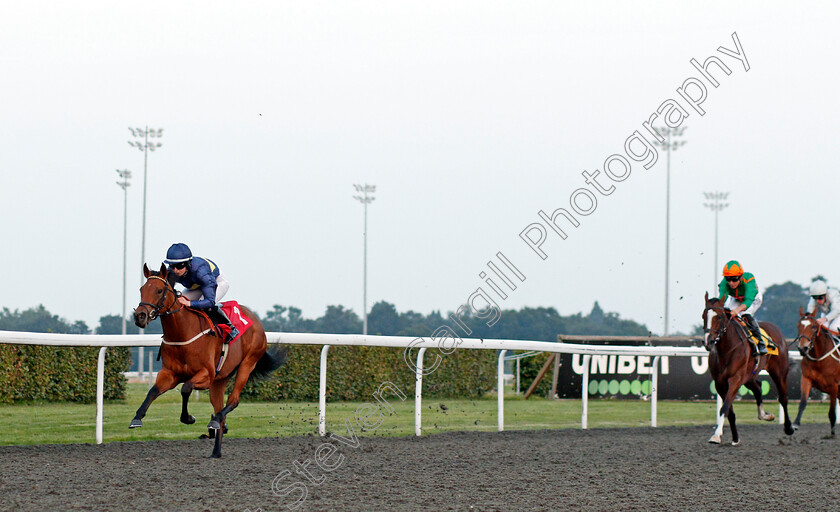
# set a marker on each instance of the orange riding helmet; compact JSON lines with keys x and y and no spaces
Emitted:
{"x":732,"y":268}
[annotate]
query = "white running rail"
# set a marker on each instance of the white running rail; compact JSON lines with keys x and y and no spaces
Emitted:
{"x":421,"y":344}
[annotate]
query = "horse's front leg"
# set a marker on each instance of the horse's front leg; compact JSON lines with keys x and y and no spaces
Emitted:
{"x":805,"y":391}
{"x":728,"y":389}
{"x":736,"y":439}
{"x":165,"y":381}
{"x":186,"y":390}
{"x":722,"y":388}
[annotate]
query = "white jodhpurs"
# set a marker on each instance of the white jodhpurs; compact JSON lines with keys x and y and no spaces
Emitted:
{"x":731,"y":303}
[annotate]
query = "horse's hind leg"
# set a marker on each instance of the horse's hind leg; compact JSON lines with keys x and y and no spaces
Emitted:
{"x":805,"y":391}
{"x":242,"y":375}
{"x":755,"y":387}
{"x":186,"y":417}
{"x":165,"y":381}
{"x":217,"y":398}
{"x":778,"y":373}
{"x":832,"y":411}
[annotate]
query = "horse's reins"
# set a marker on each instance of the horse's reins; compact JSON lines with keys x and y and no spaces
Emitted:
{"x":728,"y":320}
{"x":155,"y":312}
{"x":833,"y":353}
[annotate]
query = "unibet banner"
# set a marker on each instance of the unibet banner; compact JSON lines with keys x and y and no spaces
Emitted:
{"x":680,"y":378}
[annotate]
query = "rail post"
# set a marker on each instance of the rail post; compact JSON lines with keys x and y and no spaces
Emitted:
{"x":100,"y":393}
{"x":501,"y":388}
{"x":584,"y":398}
{"x":322,"y":394}
{"x":418,"y":392}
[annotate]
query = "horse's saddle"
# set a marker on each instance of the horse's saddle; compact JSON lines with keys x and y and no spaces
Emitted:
{"x":772,"y":349}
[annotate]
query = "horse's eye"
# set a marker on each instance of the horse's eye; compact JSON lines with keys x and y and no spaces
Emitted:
{"x":159,"y":292}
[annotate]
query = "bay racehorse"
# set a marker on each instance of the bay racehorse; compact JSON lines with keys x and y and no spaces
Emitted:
{"x":732,"y":365}
{"x":191,"y":350}
{"x":820,"y":364}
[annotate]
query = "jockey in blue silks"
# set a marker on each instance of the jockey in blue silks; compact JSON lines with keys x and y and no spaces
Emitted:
{"x":204,"y":286}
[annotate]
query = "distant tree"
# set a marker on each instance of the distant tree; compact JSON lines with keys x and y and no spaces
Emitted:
{"x":36,"y":319}
{"x":781,"y":305}
{"x":337,"y":320}
{"x":112,"y":324}
{"x":286,"y":319}
{"x":383,"y":319}
{"x":79,"y":327}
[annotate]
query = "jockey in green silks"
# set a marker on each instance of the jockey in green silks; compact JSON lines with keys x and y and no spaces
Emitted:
{"x":743,"y":299}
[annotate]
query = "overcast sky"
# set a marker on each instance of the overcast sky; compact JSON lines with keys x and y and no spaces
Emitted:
{"x":469,"y":117}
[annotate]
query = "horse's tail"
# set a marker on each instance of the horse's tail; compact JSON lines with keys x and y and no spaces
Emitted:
{"x":272,"y":359}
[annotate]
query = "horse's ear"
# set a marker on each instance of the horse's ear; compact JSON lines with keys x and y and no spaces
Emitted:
{"x":163,"y":269}
{"x":707,"y":296}
{"x":801,"y":311}
{"x":146,"y":271}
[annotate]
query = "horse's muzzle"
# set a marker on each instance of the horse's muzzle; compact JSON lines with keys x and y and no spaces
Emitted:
{"x":142,"y":319}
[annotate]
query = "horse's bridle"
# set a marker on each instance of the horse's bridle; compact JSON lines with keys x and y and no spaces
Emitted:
{"x":156,"y":308}
{"x":807,"y":353}
{"x":719,"y":331}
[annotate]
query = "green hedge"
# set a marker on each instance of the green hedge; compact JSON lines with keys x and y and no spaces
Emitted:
{"x":354,"y":373}
{"x":59,"y":374}
{"x":529,"y":368}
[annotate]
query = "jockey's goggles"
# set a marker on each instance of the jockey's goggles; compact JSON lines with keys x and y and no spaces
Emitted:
{"x":733,"y":279}
{"x":818,"y":297}
{"x":179,"y":265}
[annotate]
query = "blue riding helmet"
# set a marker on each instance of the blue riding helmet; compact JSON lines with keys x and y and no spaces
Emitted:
{"x":178,"y":253}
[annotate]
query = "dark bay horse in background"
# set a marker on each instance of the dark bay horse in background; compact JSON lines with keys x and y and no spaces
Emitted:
{"x":820,"y":364}
{"x":732,"y":365}
{"x":190,"y":352}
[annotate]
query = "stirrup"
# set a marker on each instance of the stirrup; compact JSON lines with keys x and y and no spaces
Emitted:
{"x":234,"y":332}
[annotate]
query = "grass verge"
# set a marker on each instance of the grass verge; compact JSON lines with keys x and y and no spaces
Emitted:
{"x":47,"y":423}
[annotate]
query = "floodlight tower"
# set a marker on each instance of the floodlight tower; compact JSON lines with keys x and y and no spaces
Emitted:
{"x":668,"y":133}
{"x":145,"y":147}
{"x":125,"y":175}
{"x":366,"y":198}
{"x":716,"y":204}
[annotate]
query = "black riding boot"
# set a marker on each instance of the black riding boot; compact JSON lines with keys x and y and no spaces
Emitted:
{"x":753,"y":326}
{"x":221,"y":318}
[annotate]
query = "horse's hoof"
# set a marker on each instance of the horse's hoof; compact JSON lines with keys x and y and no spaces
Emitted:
{"x":790,"y":431}
{"x":189,"y":420}
{"x":135,"y":423}
{"x":204,"y":436}
{"x":216,"y":456}
{"x":214,"y":425}
{"x":795,"y":426}
{"x":768,"y":417}
{"x":714,"y":439}
{"x":736,"y":443}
